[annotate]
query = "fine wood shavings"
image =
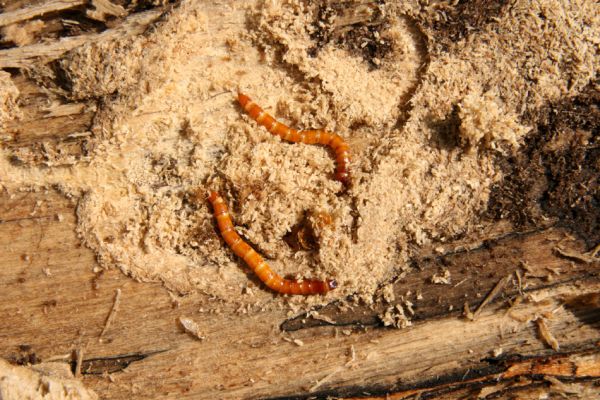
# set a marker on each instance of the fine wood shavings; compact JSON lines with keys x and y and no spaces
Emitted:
{"x":113,"y":312}
{"x":441,"y":279}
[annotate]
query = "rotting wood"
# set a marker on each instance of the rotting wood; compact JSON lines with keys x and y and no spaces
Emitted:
{"x":111,"y":364}
{"x":38,"y":10}
{"x":492,"y":294}
{"x":482,"y":268}
{"x":55,"y":134}
{"x":525,"y":379}
{"x":104,"y":8}
{"x":23,"y":57}
{"x":382,"y":358}
{"x":571,"y":255}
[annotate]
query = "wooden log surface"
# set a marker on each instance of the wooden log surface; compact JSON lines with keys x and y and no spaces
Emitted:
{"x":54,"y":303}
{"x":512,"y":314}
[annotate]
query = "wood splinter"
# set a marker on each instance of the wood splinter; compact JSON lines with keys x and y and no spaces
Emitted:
{"x":256,"y":262}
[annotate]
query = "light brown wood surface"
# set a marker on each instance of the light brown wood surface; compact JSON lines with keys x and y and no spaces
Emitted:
{"x":55,"y":303}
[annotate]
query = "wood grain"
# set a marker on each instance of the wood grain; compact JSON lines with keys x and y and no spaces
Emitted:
{"x":55,"y":303}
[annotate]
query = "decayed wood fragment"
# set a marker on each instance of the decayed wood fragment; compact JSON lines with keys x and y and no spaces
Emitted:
{"x":38,"y":10}
{"x":492,"y":295}
{"x":546,"y":335}
{"x":23,"y":57}
{"x":191,"y":327}
{"x":113,"y":312}
{"x":104,"y":8}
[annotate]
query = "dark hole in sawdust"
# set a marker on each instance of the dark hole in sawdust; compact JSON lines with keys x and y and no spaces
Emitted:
{"x":301,"y":236}
{"x":452,"y":23}
{"x":447,"y":131}
{"x":557,"y":172}
{"x":357,"y":26}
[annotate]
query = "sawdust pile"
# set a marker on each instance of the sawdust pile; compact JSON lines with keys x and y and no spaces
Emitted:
{"x":425,"y":123}
{"x":8,"y":100}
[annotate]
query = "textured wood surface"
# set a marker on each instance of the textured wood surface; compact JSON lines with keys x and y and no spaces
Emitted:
{"x":55,"y":302}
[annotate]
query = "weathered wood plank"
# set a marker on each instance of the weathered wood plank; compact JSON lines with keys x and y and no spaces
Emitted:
{"x":529,"y":257}
{"x":37,"y":10}
{"x":23,"y":57}
{"x":62,"y":306}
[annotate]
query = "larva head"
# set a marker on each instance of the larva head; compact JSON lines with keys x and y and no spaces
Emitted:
{"x":331,"y":284}
{"x":213,"y":196}
{"x":344,"y":177}
{"x":243,"y":99}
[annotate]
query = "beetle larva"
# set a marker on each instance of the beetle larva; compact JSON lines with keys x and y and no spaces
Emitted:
{"x":256,"y":262}
{"x":340,"y":148}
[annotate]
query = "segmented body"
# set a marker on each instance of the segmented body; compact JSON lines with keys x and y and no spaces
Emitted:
{"x":337,"y":144}
{"x":256,"y":262}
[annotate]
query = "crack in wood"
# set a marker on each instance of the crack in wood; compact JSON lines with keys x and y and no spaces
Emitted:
{"x":477,"y":270}
{"x":111,"y":364}
{"x":505,"y":370}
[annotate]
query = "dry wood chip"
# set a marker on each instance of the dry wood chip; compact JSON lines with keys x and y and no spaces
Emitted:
{"x":489,"y":390}
{"x":352,"y":356}
{"x":46,"y":7}
{"x":595,"y":252}
{"x":324,"y":318}
{"x":519,"y":281}
{"x":467,"y":313}
{"x":325,"y":379}
{"x":547,"y":335}
{"x":113,"y":312}
{"x":575,"y":256}
{"x":441,"y":279}
{"x":395,"y":316}
{"x":191,"y":327}
{"x":492,"y":295}
{"x":78,"y":362}
{"x":104,"y":8}
{"x":569,"y":389}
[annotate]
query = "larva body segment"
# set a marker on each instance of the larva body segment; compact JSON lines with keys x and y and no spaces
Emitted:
{"x":340,"y":148}
{"x":256,"y":262}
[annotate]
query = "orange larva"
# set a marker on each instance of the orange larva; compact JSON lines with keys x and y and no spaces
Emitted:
{"x":337,"y":144}
{"x":256,"y":262}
